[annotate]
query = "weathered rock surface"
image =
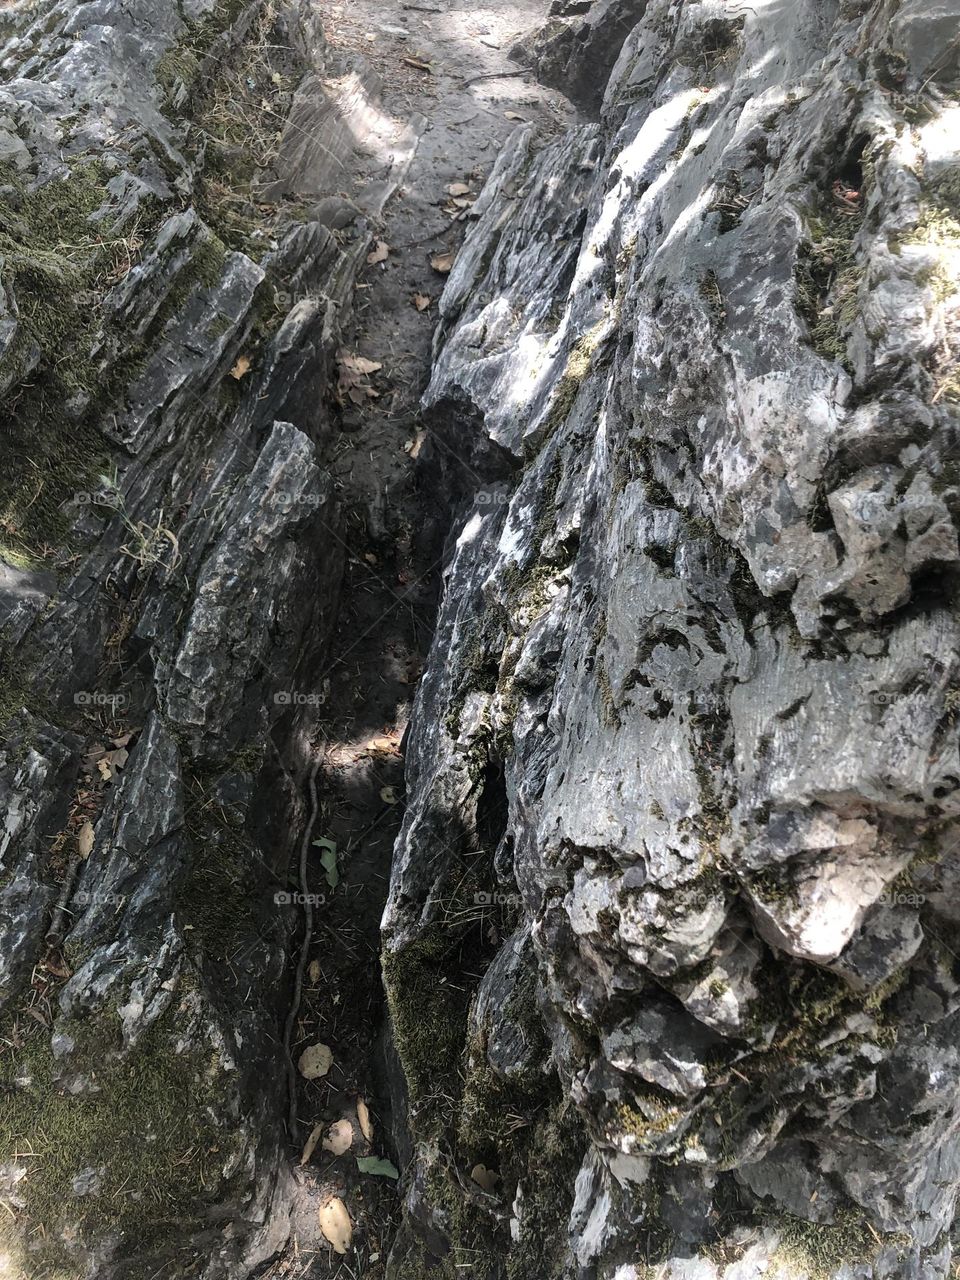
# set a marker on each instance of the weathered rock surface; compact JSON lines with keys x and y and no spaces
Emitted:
{"x":166,"y":343}
{"x":671,"y":945}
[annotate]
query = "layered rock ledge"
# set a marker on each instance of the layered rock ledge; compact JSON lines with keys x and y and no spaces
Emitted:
{"x":176,"y":270}
{"x":671,"y":946}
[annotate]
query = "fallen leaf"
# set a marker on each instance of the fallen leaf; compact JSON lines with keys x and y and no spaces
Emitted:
{"x":458,"y":189}
{"x":462,"y":203}
{"x":513,"y":115}
{"x":379,"y":1168}
{"x":358,"y":364}
{"x":442,"y":262}
{"x":315,"y":1061}
{"x":106,"y":773}
{"x":388,"y":795}
{"x":85,"y":839}
{"x":38,"y":1015}
{"x":421,"y":301}
{"x":418,"y":64}
{"x":240,"y":368}
{"x":379,"y":253}
{"x":117,"y":759}
{"x":339,"y":1137}
{"x":363,"y":1119}
{"x":314,"y":972}
{"x":414,"y":446}
{"x":335,"y":1224}
{"x":328,"y":860}
{"x":311,"y":1143}
{"x":484,"y":1177}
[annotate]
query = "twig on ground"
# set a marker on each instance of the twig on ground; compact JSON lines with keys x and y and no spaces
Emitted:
{"x":498,"y":75}
{"x":304,"y":949}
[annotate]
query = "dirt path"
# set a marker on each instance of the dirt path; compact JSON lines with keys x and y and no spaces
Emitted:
{"x":427,"y":60}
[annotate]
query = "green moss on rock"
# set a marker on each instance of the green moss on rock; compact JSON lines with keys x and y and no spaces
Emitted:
{"x":151,"y":1127}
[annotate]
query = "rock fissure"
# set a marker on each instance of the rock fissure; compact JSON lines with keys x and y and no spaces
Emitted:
{"x":478,"y":743}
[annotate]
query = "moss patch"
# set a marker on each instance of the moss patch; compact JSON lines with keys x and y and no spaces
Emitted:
{"x":828,"y":276}
{"x":153,"y":1132}
{"x":56,"y":261}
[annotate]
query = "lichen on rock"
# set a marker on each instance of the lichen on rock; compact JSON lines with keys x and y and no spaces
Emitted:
{"x":718,"y":594}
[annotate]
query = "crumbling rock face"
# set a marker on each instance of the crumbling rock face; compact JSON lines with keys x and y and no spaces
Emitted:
{"x":165,"y":348}
{"x":671,"y":945}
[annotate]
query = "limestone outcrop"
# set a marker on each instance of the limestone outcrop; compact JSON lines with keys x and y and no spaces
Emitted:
{"x":672,"y":942}
{"x":173,"y":298}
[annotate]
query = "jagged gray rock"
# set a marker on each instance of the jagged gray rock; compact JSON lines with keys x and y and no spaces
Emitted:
{"x":689,"y":729}
{"x":165,"y":357}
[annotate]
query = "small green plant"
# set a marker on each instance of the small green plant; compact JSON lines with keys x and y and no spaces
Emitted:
{"x":328,"y":860}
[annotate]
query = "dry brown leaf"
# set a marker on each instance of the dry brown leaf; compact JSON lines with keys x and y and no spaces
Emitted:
{"x":421,"y":301}
{"x":118,"y":758}
{"x":442,"y":262}
{"x":363,"y":1119}
{"x":315,"y":1061}
{"x":106,"y":773}
{"x":358,"y":364}
{"x":311,"y":1143}
{"x":414,"y":446}
{"x":484,"y":1177}
{"x":85,"y":839}
{"x":339,"y":1137}
{"x":314,"y":972}
{"x":240,"y":368}
{"x":418,"y":64}
{"x":458,"y":189}
{"x":335,"y":1224}
{"x":379,"y":253}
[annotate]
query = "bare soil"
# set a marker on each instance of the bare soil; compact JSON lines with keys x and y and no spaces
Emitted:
{"x":444,"y":74}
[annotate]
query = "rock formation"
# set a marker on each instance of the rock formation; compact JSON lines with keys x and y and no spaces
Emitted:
{"x":172,"y":300}
{"x":671,"y":949}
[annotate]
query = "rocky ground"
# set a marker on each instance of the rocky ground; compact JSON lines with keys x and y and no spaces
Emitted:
{"x":618,"y":675}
